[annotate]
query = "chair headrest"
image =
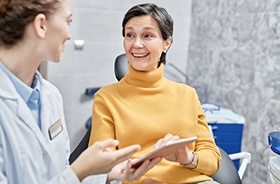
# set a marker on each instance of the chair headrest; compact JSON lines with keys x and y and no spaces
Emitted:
{"x":121,"y":66}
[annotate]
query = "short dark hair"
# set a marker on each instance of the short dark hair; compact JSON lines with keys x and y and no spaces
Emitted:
{"x":163,"y":19}
{"x":15,"y":15}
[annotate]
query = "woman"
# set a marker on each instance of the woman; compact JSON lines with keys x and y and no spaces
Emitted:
{"x":147,"y":109}
{"x":34,"y":144}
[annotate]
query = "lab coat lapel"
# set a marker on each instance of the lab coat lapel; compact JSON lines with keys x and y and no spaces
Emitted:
{"x":47,"y":118}
{"x":26,"y":116}
{"x":9,"y":93}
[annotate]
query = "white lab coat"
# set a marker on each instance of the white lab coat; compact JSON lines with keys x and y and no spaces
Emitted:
{"x":27,"y":155}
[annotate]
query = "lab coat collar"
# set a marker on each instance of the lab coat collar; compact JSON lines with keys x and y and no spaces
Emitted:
{"x":7,"y":89}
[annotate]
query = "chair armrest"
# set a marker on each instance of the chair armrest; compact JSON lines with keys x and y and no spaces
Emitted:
{"x":246,"y":159}
{"x":91,"y":91}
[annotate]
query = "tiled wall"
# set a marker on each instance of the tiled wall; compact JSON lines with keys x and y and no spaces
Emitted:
{"x":233,"y":61}
{"x":98,"y":22}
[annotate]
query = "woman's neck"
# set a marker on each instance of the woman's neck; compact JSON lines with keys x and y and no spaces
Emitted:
{"x":22,"y":64}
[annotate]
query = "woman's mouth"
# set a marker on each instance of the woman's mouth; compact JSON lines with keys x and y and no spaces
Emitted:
{"x":140,"y":55}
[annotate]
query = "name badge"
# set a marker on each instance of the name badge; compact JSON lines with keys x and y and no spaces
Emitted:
{"x":55,"y":129}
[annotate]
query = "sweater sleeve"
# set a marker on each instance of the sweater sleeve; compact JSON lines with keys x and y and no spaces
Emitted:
{"x":209,"y":157}
{"x":102,"y":121}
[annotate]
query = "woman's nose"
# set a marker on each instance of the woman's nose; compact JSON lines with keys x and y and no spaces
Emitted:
{"x":138,"y":43}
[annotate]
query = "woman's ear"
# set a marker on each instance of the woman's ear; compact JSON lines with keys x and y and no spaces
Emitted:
{"x":40,"y":25}
{"x":167,"y":44}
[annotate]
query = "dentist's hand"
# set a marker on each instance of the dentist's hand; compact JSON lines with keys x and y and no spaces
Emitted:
{"x":100,"y":159}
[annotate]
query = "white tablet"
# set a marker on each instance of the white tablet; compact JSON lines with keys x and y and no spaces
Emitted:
{"x":164,"y":150}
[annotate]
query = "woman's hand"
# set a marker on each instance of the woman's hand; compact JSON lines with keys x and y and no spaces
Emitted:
{"x":183,"y":155}
{"x":124,"y":172}
{"x":100,"y":159}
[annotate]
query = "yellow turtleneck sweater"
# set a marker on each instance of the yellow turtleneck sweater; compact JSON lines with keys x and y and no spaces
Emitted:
{"x":142,"y":108}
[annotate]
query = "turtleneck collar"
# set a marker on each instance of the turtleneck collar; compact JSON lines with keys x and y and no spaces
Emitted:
{"x":144,"y":79}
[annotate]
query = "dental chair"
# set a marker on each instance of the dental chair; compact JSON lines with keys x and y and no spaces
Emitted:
{"x":83,"y":144}
{"x":227,"y":174}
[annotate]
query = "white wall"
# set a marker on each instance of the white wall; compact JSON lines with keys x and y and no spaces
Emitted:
{"x":98,"y":22}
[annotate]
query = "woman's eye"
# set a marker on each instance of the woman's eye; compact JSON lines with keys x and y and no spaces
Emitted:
{"x":129,"y":35}
{"x":148,"y":36}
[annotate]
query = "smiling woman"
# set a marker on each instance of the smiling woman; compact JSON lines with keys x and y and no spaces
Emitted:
{"x":147,"y":109}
